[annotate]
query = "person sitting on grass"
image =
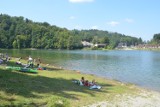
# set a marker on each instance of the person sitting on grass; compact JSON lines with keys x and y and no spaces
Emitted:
{"x":82,"y":80}
{"x":93,"y":82}
{"x":86,"y":83}
{"x":79,"y":82}
{"x":93,"y":85}
{"x":19,"y":62}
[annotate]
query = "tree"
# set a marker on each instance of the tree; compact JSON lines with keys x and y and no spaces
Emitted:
{"x":20,"y":32}
{"x":15,"y":44}
{"x":156,"y":38}
{"x":95,"y":40}
{"x":21,"y":41}
{"x":104,"y":40}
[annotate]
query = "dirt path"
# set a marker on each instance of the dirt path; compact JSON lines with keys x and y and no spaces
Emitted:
{"x":142,"y":99}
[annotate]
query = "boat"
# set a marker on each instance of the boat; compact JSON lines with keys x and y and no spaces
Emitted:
{"x":22,"y":69}
{"x":28,"y":70}
{"x":13,"y":68}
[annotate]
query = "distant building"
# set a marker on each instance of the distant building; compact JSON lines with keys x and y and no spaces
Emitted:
{"x":148,"y":46}
{"x":122,"y":45}
{"x":100,"y":45}
{"x":87,"y":44}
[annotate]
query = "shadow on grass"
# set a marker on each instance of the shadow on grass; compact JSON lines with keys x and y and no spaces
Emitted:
{"x":28,"y":85}
{"x":36,"y":86}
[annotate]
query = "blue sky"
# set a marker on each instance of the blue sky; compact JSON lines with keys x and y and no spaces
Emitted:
{"x":138,"y":18}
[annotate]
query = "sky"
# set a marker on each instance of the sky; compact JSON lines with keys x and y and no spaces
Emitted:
{"x":137,"y":18}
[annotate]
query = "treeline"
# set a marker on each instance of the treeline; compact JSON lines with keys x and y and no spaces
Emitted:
{"x":156,"y":39}
{"x":110,"y":38}
{"x":20,"y":32}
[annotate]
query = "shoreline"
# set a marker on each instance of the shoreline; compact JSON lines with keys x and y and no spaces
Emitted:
{"x":78,"y":71}
{"x":121,"y":82}
{"x":146,"y":98}
{"x":113,"y":92}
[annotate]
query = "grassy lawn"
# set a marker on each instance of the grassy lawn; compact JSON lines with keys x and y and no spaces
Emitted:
{"x":54,"y":87}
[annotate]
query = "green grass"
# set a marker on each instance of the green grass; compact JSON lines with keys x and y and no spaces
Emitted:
{"x":54,"y":87}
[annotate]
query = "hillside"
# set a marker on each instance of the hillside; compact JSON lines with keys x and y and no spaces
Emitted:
{"x":20,"y":32}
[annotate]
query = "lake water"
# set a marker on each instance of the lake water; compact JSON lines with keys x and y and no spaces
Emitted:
{"x":138,"y":67}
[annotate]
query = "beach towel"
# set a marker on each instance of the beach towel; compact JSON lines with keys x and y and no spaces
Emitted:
{"x":95,"y":87}
{"x":78,"y":82}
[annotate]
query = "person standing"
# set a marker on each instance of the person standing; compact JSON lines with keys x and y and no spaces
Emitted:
{"x":30,"y":62}
{"x":38,"y":62}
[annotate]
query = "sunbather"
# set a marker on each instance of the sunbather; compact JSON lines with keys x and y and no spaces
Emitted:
{"x":83,"y":80}
{"x":93,"y":82}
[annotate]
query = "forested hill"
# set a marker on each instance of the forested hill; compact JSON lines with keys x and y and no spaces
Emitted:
{"x":20,"y":32}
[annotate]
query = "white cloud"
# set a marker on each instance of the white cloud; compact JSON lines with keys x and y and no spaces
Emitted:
{"x":80,"y":1}
{"x":94,"y":27}
{"x":72,"y":17}
{"x":129,"y":20}
{"x":113,"y":23}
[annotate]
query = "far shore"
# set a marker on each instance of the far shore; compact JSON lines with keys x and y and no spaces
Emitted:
{"x":87,"y":48}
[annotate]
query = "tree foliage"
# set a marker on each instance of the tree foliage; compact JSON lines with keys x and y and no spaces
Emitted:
{"x":156,"y":38}
{"x":20,"y":32}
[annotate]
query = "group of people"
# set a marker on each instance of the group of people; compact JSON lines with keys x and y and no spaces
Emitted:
{"x":4,"y":58}
{"x":91,"y":85}
{"x":30,"y":63}
{"x":86,"y":82}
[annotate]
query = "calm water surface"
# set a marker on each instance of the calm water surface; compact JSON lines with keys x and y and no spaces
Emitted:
{"x":138,"y":67}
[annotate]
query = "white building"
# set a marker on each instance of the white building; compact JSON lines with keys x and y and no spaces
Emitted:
{"x":87,"y":44}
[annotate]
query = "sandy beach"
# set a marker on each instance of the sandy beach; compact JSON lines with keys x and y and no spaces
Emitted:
{"x":144,"y":98}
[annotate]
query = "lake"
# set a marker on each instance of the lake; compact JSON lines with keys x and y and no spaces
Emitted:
{"x":133,"y":66}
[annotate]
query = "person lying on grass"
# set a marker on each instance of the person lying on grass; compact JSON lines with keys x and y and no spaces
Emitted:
{"x":87,"y":83}
{"x":84,"y":82}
